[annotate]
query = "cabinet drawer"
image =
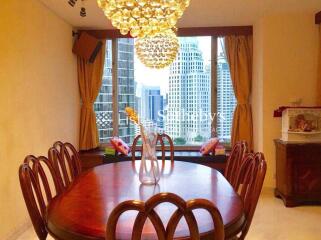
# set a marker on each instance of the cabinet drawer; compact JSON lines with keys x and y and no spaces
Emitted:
{"x":308,"y":154}
{"x":307,"y":179}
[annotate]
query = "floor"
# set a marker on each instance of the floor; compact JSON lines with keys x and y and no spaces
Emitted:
{"x":272,"y":221}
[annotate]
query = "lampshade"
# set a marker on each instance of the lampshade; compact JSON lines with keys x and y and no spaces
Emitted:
{"x":143,"y":17}
{"x":158,"y":51}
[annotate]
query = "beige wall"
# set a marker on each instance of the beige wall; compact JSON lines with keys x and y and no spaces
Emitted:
{"x":285,"y":68}
{"x":39,"y":99}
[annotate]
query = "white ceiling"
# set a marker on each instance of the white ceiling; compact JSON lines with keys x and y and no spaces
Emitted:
{"x":200,"y":13}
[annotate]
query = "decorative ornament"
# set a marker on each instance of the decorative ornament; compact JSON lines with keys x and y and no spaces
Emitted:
{"x":82,"y":13}
{"x":143,"y":17}
{"x":158,"y":51}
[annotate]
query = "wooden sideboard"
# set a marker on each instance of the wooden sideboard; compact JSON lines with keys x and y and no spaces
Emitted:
{"x":298,"y":173}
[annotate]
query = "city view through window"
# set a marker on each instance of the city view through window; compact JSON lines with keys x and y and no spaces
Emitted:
{"x":177,"y":99}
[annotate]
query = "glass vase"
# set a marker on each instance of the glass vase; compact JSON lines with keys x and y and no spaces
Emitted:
{"x":149,"y":172}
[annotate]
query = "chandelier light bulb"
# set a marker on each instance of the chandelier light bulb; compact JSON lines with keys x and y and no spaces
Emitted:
{"x":143,"y":18}
{"x":158,"y":51}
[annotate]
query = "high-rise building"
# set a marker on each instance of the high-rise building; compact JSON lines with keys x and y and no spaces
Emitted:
{"x":103,"y":105}
{"x":152,"y":104}
{"x":225,"y":99}
{"x":189,"y":97}
{"x":126,"y":92}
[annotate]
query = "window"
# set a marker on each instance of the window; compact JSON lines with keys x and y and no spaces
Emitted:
{"x":226,"y":100}
{"x":187,"y":100}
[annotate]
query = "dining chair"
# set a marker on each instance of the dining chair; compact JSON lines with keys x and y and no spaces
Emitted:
{"x":39,"y":185}
{"x":250,"y":181}
{"x":66,"y":162}
{"x":146,"y":210}
{"x":234,"y":162}
{"x":161,"y":138}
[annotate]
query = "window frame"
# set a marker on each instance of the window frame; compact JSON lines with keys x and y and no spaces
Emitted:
{"x":213,"y":32}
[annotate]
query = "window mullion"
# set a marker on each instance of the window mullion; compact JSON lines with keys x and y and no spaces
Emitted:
{"x":214,"y":85}
{"x":115,"y":86}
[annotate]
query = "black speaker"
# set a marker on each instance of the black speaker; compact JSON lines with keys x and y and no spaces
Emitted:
{"x":87,"y":47}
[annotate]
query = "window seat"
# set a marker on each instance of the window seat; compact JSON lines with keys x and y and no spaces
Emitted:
{"x":97,"y":157}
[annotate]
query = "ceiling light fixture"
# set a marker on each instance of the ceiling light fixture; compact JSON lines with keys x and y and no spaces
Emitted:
{"x":158,"y":51}
{"x":143,"y":18}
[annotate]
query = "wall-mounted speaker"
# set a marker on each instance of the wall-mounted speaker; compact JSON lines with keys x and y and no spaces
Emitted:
{"x":87,"y":47}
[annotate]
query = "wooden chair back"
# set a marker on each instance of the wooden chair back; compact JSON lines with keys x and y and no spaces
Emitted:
{"x":234,"y":162}
{"x":146,"y":210}
{"x":38,"y":190}
{"x":250,"y":181}
{"x":160,"y":139}
{"x":66,"y":162}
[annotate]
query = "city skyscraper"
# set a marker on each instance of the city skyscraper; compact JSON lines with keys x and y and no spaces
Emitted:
{"x":126,"y":92}
{"x":152,"y":104}
{"x":225,"y":99}
{"x":189,"y":97}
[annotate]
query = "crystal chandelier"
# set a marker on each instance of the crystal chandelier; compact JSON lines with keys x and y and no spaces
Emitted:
{"x":158,"y":51}
{"x":143,"y":18}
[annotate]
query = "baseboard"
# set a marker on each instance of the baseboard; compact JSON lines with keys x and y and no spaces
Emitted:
{"x":18,"y":231}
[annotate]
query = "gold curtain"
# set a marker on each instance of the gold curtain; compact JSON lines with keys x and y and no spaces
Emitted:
{"x":239,"y":51}
{"x":89,"y":80}
{"x":319,"y":71}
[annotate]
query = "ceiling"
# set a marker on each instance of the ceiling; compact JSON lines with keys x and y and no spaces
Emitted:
{"x":200,"y":13}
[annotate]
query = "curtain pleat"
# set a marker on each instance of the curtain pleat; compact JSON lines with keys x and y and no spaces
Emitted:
{"x":239,"y":52}
{"x":89,"y":80}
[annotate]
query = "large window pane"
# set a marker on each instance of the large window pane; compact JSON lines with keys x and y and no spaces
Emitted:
{"x":226,"y":101}
{"x":178,"y":98}
{"x":189,"y":95}
{"x":126,"y":87}
{"x":103,"y":105}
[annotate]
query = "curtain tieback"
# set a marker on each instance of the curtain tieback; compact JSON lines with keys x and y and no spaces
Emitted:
{"x":88,"y":105}
{"x":242,"y":103}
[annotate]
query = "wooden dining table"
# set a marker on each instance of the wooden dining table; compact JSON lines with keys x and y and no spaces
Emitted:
{"x":81,"y":212}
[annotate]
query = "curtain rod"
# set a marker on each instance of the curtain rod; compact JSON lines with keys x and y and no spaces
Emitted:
{"x":183,"y":32}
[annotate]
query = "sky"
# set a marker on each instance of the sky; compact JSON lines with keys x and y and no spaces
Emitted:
{"x":160,"y":77}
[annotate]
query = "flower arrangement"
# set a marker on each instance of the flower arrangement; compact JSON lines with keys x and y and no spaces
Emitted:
{"x":133,"y":116}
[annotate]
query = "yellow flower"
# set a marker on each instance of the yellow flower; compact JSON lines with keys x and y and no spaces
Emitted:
{"x":132,"y":114}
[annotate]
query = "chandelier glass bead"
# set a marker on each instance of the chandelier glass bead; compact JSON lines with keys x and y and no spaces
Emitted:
{"x":158,"y":51}
{"x":143,"y":18}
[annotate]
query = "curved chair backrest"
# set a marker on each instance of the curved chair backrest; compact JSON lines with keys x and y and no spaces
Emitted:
{"x":250,"y":181}
{"x":160,"y":139}
{"x":66,"y":162}
{"x":234,"y":162}
{"x":146,"y":210}
{"x":37,"y":190}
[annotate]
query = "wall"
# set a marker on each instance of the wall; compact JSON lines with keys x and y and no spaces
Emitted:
{"x":257,"y":87}
{"x":39,"y":100}
{"x":286,"y":48}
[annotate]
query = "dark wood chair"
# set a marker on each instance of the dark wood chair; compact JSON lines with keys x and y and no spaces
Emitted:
{"x":146,"y":210}
{"x":250,"y":181}
{"x":160,"y":139}
{"x":66,"y":162}
{"x":234,"y":162}
{"x":39,"y":185}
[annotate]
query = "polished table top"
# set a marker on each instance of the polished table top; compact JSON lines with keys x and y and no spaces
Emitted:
{"x":82,"y":211}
